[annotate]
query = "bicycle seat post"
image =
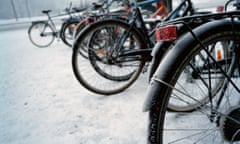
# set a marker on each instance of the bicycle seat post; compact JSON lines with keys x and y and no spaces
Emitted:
{"x":47,"y":13}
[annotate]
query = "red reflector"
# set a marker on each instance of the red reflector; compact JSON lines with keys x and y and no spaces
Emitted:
{"x":88,"y":20}
{"x":220,"y":8}
{"x":166,"y":33}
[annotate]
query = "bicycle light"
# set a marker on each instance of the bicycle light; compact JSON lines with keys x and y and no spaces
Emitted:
{"x":166,"y":33}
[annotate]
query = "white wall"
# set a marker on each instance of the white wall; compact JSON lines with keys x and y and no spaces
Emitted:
{"x":10,"y":9}
{"x":203,"y":3}
{"x":208,"y":3}
{"x":13,"y":9}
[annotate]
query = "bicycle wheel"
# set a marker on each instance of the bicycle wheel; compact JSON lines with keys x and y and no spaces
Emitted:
{"x":98,"y":74}
{"x":213,"y":122}
{"x":199,"y":65}
{"x":41,"y":34}
{"x":67,"y":32}
{"x":103,"y":51}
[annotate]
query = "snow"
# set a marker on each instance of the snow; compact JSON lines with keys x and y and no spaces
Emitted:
{"x":41,"y":101}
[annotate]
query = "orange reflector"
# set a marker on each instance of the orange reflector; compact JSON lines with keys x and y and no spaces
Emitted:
{"x":219,"y":52}
{"x":219,"y":55}
{"x":166,"y":33}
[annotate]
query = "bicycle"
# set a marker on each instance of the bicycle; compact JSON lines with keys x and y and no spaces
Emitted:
{"x":98,"y":12}
{"x":117,"y":51}
{"x":43,"y":33}
{"x":204,"y":62}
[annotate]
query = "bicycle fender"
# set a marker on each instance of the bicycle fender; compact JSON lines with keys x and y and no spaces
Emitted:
{"x":36,"y":22}
{"x":183,"y":46}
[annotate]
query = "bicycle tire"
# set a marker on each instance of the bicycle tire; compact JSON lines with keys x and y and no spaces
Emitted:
{"x":113,"y":86}
{"x":198,"y":126}
{"x":37,"y":38}
{"x":80,"y":27}
{"x":67,"y":32}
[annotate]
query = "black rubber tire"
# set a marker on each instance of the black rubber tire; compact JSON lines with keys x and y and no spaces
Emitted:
{"x":80,"y":27}
{"x":67,"y":35}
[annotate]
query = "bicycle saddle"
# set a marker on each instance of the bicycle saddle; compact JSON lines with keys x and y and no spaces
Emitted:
{"x":97,"y":6}
{"x":46,"y":11}
{"x":79,"y":9}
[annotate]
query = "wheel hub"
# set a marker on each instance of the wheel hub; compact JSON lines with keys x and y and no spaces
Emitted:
{"x":230,"y":125}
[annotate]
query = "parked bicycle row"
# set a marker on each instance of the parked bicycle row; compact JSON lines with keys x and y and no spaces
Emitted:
{"x":129,"y":16}
{"x":110,"y":54}
{"x":194,"y":67}
{"x":194,"y":71}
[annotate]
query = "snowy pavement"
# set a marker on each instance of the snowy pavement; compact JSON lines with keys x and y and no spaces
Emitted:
{"x":41,"y":102}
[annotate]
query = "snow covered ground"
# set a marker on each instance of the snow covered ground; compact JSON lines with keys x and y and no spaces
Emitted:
{"x":41,"y":102}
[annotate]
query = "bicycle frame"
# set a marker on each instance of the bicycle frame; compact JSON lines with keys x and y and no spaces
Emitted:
{"x":50,"y":21}
{"x":57,"y":32}
{"x":184,"y":8}
{"x":103,"y":12}
{"x":68,"y":11}
{"x":135,"y":22}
